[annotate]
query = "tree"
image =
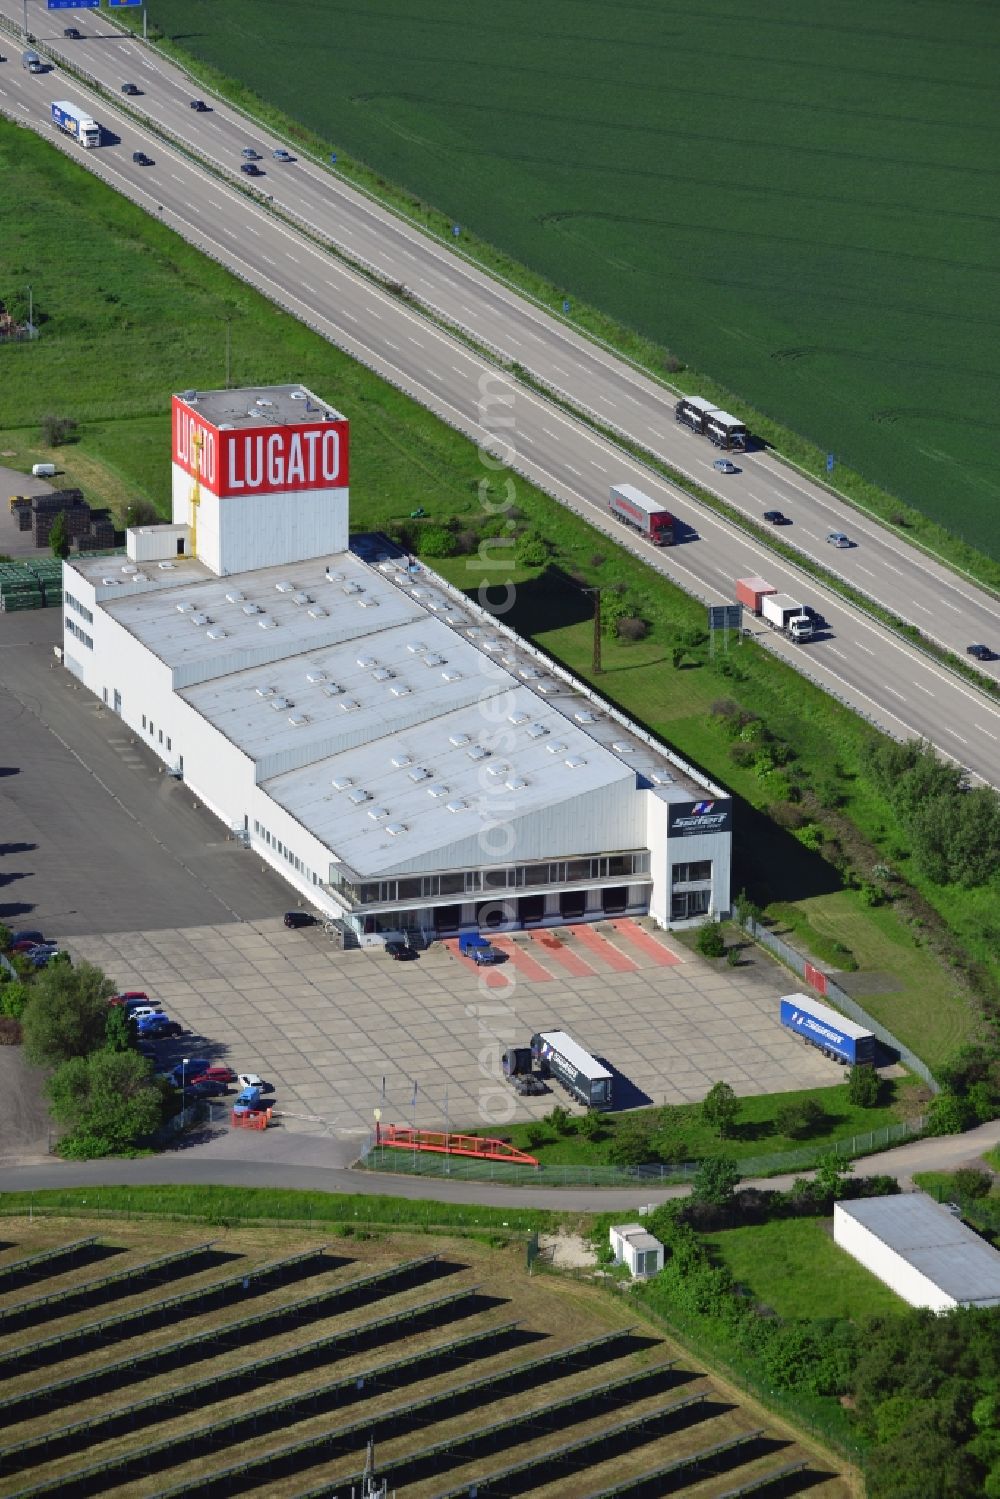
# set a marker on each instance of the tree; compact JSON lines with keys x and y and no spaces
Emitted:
{"x":799,"y":1117}
{"x":119,"y":1034}
{"x":14,"y":999}
{"x":108,"y":1100}
{"x":632,"y":1144}
{"x":66,"y":1013}
{"x":592,"y":1125}
{"x":947,"y":1114}
{"x":863,"y":1086}
{"x":59,"y":536}
{"x":969,"y":1182}
{"x":710,"y":941}
{"x":832,"y":1171}
{"x":686,"y":642}
{"x":719,"y":1109}
{"x":716,"y":1181}
{"x":57,"y":430}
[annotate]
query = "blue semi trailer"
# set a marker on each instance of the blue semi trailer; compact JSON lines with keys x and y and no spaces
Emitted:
{"x":820,"y":1026}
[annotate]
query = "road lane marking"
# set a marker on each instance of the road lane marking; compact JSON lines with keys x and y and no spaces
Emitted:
{"x":865,"y":649}
{"x":984,"y":731}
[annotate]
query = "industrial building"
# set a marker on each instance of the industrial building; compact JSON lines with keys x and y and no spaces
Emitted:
{"x":396,"y":752}
{"x":920,"y":1249}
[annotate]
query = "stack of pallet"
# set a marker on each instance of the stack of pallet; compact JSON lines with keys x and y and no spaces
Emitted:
{"x":68,"y":502}
{"x":19,"y":588}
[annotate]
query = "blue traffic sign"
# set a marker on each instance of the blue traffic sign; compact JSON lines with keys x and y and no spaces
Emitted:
{"x":73,"y":4}
{"x":829,"y":463}
{"x":115,"y":3}
{"x":565,"y":305}
{"x":456,"y":230}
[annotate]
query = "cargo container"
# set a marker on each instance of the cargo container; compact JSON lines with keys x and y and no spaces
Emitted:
{"x":750,"y":592}
{"x":636,"y":509}
{"x":784,"y":613}
{"x":559,"y":1056}
{"x":74,"y":121}
{"x":820,"y":1026}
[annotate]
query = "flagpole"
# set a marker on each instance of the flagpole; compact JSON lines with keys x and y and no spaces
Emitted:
{"x":447,"y":1137}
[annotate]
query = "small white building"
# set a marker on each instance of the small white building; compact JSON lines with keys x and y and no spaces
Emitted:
{"x":637,"y":1249}
{"x":920,"y":1250}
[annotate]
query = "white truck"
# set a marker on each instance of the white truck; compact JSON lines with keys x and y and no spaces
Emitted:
{"x":75,"y":121}
{"x":784,"y":613}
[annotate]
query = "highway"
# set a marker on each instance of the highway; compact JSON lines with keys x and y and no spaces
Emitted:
{"x":854,"y":658}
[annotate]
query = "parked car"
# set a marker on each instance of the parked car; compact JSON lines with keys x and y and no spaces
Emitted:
{"x":299,"y":918}
{"x":26,"y":936}
{"x":130,"y":997}
{"x":141,"y":159}
{"x":280,"y":154}
{"x":776,"y":518}
{"x":400,"y":952}
{"x":24,"y":948}
{"x":206,"y":1087}
{"x":217,"y":1073}
{"x":251,"y":169}
{"x":200,"y":106}
{"x":248,"y":1080}
{"x":131,"y":88}
{"x":195,"y":1065}
{"x":838,"y":539}
{"x":143,"y":1007}
{"x":981,"y":652}
{"x":724,"y":466}
{"x":158,"y":1027}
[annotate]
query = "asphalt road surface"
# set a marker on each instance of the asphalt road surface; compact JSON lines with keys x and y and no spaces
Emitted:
{"x":853,"y":657}
{"x":242,"y":1160}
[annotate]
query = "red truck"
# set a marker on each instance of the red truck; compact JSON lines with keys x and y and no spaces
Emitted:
{"x":636,"y":509}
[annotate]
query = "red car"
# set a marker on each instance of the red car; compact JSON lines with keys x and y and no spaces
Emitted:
{"x":129,"y":997}
{"x":220,"y":1074}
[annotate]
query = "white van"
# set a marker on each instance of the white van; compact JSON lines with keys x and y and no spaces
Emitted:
{"x":43,"y":471}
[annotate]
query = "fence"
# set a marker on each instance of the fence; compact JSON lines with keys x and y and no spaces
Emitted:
{"x":677,"y":1173}
{"x":832,"y":990}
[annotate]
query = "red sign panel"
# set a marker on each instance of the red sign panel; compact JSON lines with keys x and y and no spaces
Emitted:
{"x":815,"y":977}
{"x":260,"y":459}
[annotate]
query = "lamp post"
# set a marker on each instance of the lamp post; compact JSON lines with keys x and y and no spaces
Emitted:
{"x":31,"y":315}
{"x":184,"y":1065}
{"x":378,"y":1131}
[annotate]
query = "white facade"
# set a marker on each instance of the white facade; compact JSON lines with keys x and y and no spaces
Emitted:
{"x":920,"y":1250}
{"x":639,"y":1250}
{"x":401,"y":757}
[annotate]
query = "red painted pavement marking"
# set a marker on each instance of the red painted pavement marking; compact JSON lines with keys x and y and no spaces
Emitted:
{"x":522,"y":961}
{"x":493,"y":978}
{"x":617,"y":961}
{"x":559,"y":953}
{"x":646,"y":944}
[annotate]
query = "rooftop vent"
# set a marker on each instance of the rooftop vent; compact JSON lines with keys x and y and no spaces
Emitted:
{"x":342,"y":783}
{"x":357,"y":796}
{"x":235,"y":596}
{"x":536,"y":730}
{"x":301,"y":598}
{"x":251,"y":609}
{"x":140,"y":578}
{"x":112,"y":582}
{"x":399,"y":689}
{"x":378,"y":814}
{"x":181,"y":608}
{"x":284,"y":587}
{"x":416,"y":648}
{"x":498,"y":770}
{"x":586,"y":715}
{"x":402,"y":761}
{"x":200,"y":619}
{"x":573,"y":762}
{"x":395,"y":829}
{"x":433,"y":659}
{"x":420,"y":773}
{"x":367,"y":662}
{"x":279,"y":704}
{"x":623,"y":747}
{"x":458,"y":805}
{"x":332,"y":689}
{"x":492,"y":644}
{"x":477,"y":752}
{"x":518,"y":718}
{"x":332,"y":577}
{"x":367,"y":603}
{"x":547,"y":687}
{"x":383,"y":674}
{"x":451,"y":675}
{"x":661,"y":778}
{"x":349,"y":705}
{"x":529,"y":673}
{"x":266,"y":622}
{"x":316,"y":611}
{"x":266,"y":691}
{"x":297,"y":395}
{"x":316,"y":676}
{"x":515,"y":783}
{"x":452,"y":618}
{"x":556,"y":748}
{"x":264,"y":401}
{"x":217,"y":633}
{"x":353,"y":587}
{"x":129,"y":567}
{"x":166,"y":567}
{"x":458,"y":740}
{"x":437,"y":790}
{"x":297,"y":720}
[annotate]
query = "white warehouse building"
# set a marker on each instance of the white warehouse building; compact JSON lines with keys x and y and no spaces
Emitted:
{"x":401,"y":757}
{"x":920,"y":1250}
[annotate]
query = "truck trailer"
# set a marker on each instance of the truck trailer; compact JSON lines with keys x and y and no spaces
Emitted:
{"x":820,"y":1026}
{"x":636,"y":509}
{"x":719,"y":426}
{"x":750,"y":593}
{"x":559,"y":1056}
{"x":74,"y":121}
{"x":784,"y":613}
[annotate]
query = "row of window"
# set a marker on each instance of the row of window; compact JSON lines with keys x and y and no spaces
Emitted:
{"x":687,"y":903}
{"x":282,"y":848}
{"x":80,"y":608}
{"x":690,"y":874}
{"x":81,"y":634}
{"x":475,"y":881}
{"x":152,"y":731}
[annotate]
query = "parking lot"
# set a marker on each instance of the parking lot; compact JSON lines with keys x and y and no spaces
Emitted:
{"x":107,"y":854}
{"x":326,"y":1026}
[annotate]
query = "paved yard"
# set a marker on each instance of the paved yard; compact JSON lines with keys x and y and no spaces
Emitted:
{"x":327,"y":1026}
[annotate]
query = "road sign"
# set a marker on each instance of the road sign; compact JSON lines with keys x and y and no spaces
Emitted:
{"x":565,"y":305}
{"x":829,"y":463}
{"x":115,"y":3}
{"x":725,"y":616}
{"x":73,"y":4}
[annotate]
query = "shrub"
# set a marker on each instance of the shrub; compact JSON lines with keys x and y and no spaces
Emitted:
{"x":592,"y":1125}
{"x":716,"y":1181}
{"x":947,"y":1114}
{"x":733,"y":956}
{"x":799,"y":1118}
{"x":719,"y":1109}
{"x":864,"y":1086}
{"x":970,"y":1182}
{"x":786,"y":815}
{"x":56,"y":430}
{"x":711,"y":943}
{"x":632,"y":1144}
{"x":436,"y":541}
{"x":10,"y":1031}
{"x":631,"y":627}
{"x":5,"y":936}
{"x":532,"y":550}
{"x":534,"y":1136}
{"x":559,"y":1119}
{"x":13,"y":999}
{"x":872,"y":894}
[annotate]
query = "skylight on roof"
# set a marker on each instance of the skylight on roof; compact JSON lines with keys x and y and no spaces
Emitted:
{"x":377,"y":814}
{"x":367,"y":662}
{"x":217,"y":633}
{"x":401,"y":761}
{"x":251,"y":608}
{"x":357,"y":796}
{"x":458,"y":805}
{"x":419,"y":773}
{"x":331,"y":689}
{"x":451,"y":675}
{"x":284,"y":587}
{"x":266,"y":622}
{"x":383,"y":674}
{"x":547,"y":687}
{"x":399,"y":689}
{"x":433,"y":659}
{"x":395,"y":829}
{"x":297,"y":720}
{"x":342,"y":783}
{"x":367,"y":603}
{"x":477,"y":752}
{"x":316,"y":676}
{"x":235,"y":596}
{"x":352,"y":587}
{"x":316,"y":611}
{"x":349,"y":705}
{"x":437,"y":790}
{"x":200,"y":619}
{"x":517,"y":718}
{"x":536,"y":730}
{"x":529,"y":673}
{"x":515,"y":783}
{"x":622,"y":747}
{"x":492,"y":644}
{"x":416,"y":648}
{"x":184,"y":608}
{"x":301,"y":598}
{"x":586,"y":715}
{"x":556,"y":748}
{"x":279,"y":704}
{"x":266,"y":691}
{"x":497,"y":770}
{"x":458,"y":740}
{"x":573,"y":762}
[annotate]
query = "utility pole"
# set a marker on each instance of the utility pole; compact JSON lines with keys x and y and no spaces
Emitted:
{"x":595,"y":664}
{"x":31,"y":309}
{"x":229,"y":346}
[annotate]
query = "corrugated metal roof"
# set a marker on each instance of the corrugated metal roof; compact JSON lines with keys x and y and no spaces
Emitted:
{"x":935,"y":1242}
{"x":259,"y":405}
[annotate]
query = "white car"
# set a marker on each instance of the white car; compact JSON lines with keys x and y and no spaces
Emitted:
{"x":250,"y":1080}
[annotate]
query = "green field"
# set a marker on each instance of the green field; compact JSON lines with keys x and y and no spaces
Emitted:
{"x":798,"y":203}
{"x":783,"y":1263}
